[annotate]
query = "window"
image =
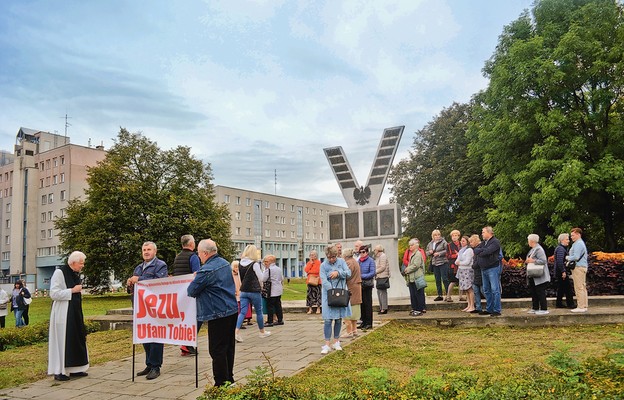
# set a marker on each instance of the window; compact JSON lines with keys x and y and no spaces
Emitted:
{"x":267,"y":219}
{"x":277,"y":219}
{"x":292,"y":221}
{"x":62,"y":177}
{"x":7,"y":223}
{"x":237,"y":200}
{"x":292,"y":208}
{"x":62,"y":160}
{"x":266,"y":204}
{"x":7,"y":239}
{"x":50,"y":216}
{"x":238,"y":215}
{"x":47,"y":164}
{"x":226,"y":198}
{"x":44,"y":199}
{"x":292,"y":234}
{"x":307,"y":210}
{"x":314,"y":223}
{"x":8,"y":207}
{"x":248,"y":201}
{"x":321,"y":236}
{"x":248,"y":216}
{"x":41,"y":182}
{"x":6,"y":192}
{"x":283,"y":234}
{"x":43,"y":234}
{"x":307,"y":235}
{"x":248,"y":231}
{"x":6,"y":255}
{"x":49,"y":233}
{"x":62,"y":212}
{"x":55,"y":162}
{"x":43,"y":217}
{"x":51,"y":198}
{"x":54,"y":179}
{"x":238,"y":230}
{"x":48,"y":181}
{"x":276,"y":205}
{"x":314,"y":211}
{"x":267,"y":232}
{"x":307,"y":222}
{"x":41,"y":166}
{"x":63,"y":195}
{"x":321,"y":224}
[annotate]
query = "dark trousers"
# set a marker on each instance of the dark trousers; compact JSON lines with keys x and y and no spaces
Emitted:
{"x":221,"y":346}
{"x":367,"y":306}
{"x":441,"y":273}
{"x":25,"y":315}
{"x":564,"y":287}
{"x":538,"y":295}
{"x":153,"y":354}
{"x":2,"y":321}
{"x":274,"y":306}
{"x":417,"y":297}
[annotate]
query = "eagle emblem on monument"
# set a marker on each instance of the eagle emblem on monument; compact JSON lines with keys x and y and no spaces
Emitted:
{"x":362,"y":195}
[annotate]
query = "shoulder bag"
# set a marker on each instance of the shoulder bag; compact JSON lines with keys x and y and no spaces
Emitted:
{"x":266,"y":287}
{"x":534,"y":270}
{"x":383,"y":283}
{"x":420,"y":282}
{"x":27,"y":300}
{"x":572,"y":264}
{"x":338,"y":297}
{"x":313,"y":280}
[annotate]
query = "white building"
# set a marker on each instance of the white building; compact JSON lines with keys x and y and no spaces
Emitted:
{"x":285,"y":227}
{"x":36,"y":182}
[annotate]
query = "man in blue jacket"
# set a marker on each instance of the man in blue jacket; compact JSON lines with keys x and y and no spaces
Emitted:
{"x":487,"y":258}
{"x":151,"y":268}
{"x":367,"y":272}
{"x":215,"y":292}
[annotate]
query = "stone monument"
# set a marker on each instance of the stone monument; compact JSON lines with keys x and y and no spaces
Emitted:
{"x":365,"y":219}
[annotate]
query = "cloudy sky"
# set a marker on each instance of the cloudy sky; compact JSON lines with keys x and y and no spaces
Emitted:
{"x":252,"y":87}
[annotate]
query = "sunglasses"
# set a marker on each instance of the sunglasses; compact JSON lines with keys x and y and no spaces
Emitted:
{"x":363,"y":252}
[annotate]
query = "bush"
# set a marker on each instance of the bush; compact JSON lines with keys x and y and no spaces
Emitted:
{"x":33,"y":334}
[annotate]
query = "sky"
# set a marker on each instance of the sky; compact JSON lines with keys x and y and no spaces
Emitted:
{"x":255,"y":88}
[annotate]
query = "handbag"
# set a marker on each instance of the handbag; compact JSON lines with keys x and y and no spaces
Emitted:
{"x":338,"y":297}
{"x":383,"y":283}
{"x":368,"y":283}
{"x":27,"y":300}
{"x":420,"y":282}
{"x":266,"y":287}
{"x":534,"y":270}
{"x":572,"y":264}
{"x":313,"y":280}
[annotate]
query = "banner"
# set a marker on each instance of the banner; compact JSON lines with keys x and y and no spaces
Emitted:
{"x":163,"y":312}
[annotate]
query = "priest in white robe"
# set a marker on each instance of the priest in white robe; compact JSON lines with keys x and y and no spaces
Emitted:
{"x":67,"y":345}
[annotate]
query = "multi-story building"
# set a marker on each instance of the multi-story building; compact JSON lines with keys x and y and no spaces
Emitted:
{"x":36,"y":182}
{"x":285,"y":227}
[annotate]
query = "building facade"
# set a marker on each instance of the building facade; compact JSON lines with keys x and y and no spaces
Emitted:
{"x":36,"y":183}
{"x":285,"y":227}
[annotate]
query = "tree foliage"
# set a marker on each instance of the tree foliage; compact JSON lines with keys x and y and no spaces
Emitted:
{"x":437,"y":185}
{"x":139,"y":193}
{"x":548,"y":128}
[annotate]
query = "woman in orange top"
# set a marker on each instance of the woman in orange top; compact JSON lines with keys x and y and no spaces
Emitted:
{"x":313,"y":269}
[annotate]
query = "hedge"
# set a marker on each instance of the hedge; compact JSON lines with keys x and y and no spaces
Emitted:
{"x":33,"y":334}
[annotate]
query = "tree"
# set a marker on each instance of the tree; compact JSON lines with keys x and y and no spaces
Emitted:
{"x":549,"y":129}
{"x":437,"y":185}
{"x":139,"y":193}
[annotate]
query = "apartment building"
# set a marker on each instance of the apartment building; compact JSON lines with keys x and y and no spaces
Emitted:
{"x":286,"y":227}
{"x":36,"y":182}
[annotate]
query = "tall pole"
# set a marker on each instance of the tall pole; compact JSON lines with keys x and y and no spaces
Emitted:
{"x":276,"y":181}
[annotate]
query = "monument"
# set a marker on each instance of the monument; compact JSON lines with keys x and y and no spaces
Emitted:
{"x":365,"y":219}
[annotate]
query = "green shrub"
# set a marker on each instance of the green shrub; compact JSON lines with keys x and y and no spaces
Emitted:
{"x":33,"y":334}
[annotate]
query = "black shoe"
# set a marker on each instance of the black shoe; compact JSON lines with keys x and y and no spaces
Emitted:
{"x":366,"y":327}
{"x":269,"y":325}
{"x":439,"y":298}
{"x":153,"y":374}
{"x":145,"y":371}
{"x":423,"y":311}
{"x":495,"y":314}
{"x":243,"y":327}
{"x":484,"y":313}
{"x":61,"y":377}
{"x":383,"y":312}
{"x":475,"y":312}
{"x":560,"y":306}
{"x":279,"y":323}
{"x":78,"y":374}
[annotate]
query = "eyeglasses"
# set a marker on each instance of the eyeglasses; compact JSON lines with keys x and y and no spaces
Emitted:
{"x":363,"y":252}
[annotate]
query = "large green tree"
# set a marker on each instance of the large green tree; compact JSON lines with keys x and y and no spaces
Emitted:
{"x":139,"y":193}
{"x":437,"y":185}
{"x":548,"y":128}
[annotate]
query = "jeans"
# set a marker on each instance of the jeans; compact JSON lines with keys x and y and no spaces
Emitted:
{"x":491,"y":288}
{"x":222,"y":346}
{"x":412,"y":290}
{"x":19,"y":322}
{"x":441,"y":273}
{"x":256,"y":300}
{"x":327,"y":328}
{"x":477,"y":289}
{"x":154,"y":355}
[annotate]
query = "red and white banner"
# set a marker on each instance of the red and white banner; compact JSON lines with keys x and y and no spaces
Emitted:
{"x":163,"y":312}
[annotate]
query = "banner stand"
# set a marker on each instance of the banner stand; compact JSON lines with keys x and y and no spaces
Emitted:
{"x":133,"y":362}
{"x":196,"y":366}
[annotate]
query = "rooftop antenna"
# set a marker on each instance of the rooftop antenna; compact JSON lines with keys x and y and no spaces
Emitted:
{"x":67,"y":124}
{"x":276,"y":181}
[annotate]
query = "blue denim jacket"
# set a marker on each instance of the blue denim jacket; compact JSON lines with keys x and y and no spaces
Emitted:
{"x":214,"y":290}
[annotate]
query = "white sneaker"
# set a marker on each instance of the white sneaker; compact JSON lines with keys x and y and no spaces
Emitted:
{"x":238,"y":338}
{"x":578,"y":310}
{"x":531,"y":311}
{"x":337,"y":346}
{"x":542,"y":312}
{"x":264,"y":334}
{"x":325,"y":349}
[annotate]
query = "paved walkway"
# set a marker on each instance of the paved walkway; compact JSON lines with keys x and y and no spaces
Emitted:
{"x":290,"y":349}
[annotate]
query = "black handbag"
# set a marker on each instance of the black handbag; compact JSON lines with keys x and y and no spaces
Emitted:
{"x":338,"y":297}
{"x":383,"y":283}
{"x":266,"y":287}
